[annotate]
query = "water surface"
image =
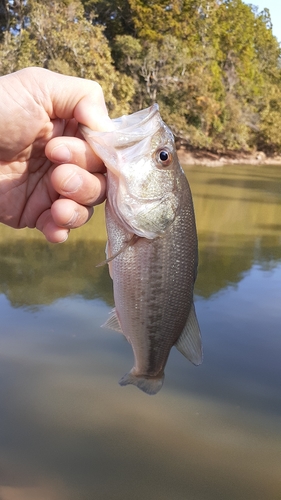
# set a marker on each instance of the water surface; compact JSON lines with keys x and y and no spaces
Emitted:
{"x":68,"y":431}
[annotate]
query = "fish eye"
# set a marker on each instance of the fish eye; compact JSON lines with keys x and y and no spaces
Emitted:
{"x":164,"y":157}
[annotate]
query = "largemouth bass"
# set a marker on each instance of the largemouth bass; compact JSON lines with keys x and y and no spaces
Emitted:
{"x":152,"y":244}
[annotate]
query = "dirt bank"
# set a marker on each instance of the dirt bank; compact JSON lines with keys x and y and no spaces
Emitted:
{"x":201,"y":157}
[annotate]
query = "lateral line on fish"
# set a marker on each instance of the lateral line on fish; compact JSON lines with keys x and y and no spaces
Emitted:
{"x":128,"y":244}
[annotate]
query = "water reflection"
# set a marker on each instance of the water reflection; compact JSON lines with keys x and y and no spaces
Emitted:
{"x":238,"y":219}
{"x":238,"y":214}
{"x":68,"y":431}
{"x":34,"y":272}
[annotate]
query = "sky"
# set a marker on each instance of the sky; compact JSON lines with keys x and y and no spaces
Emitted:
{"x":274,"y":7}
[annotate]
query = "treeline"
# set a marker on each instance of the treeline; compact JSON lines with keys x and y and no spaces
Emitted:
{"x":212,"y":65}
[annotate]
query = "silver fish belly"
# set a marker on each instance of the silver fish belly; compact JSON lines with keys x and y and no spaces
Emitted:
{"x":152,"y":244}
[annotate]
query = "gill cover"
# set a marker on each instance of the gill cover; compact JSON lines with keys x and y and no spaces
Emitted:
{"x":139,"y":154}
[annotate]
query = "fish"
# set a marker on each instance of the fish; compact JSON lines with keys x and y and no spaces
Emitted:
{"x":152,"y":248}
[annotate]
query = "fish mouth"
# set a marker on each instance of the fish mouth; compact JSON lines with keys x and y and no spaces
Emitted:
{"x":136,"y":120}
{"x":127,"y":129}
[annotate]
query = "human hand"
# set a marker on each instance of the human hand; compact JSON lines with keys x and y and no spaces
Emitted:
{"x":49,"y":176}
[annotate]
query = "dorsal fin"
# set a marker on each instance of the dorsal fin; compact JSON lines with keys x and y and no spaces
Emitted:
{"x":189,"y":343}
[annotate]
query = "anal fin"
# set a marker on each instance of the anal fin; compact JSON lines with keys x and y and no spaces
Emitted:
{"x":189,"y":342}
{"x":113,"y":322}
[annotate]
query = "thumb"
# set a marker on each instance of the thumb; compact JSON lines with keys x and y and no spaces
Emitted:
{"x":72,"y":97}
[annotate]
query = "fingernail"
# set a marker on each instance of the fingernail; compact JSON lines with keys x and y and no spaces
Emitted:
{"x":73,"y":219}
{"x":73,"y":183}
{"x":100,"y":122}
{"x":61,"y":154}
{"x":106,"y":124}
{"x":64,"y":237}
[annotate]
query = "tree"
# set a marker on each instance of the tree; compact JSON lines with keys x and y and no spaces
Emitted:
{"x":217,"y":79}
{"x":115,"y":16}
{"x":210,"y":73}
{"x":58,"y":37}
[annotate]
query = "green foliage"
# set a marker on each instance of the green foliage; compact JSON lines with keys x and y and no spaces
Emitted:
{"x":269,"y":136}
{"x":212,"y":65}
{"x":58,"y":37}
{"x":114,"y":15}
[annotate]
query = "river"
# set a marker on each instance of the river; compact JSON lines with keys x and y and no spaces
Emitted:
{"x":68,"y":431}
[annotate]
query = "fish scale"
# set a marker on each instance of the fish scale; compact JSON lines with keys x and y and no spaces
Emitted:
{"x":152,"y":245}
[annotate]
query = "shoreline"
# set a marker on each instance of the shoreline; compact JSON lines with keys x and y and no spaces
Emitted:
{"x":209,"y":159}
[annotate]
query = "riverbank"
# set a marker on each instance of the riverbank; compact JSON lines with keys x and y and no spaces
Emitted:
{"x":209,"y":159}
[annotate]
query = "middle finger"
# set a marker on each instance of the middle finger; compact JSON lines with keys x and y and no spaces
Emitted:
{"x":74,"y":150}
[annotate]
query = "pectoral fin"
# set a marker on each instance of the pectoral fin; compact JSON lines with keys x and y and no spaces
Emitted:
{"x":113,"y":322}
{"x":126,"y":245}
{"x":108,"y":256}
{"x":189,"y":343}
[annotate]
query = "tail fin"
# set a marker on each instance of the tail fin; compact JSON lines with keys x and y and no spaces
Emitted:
{"x":149,"y":385}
